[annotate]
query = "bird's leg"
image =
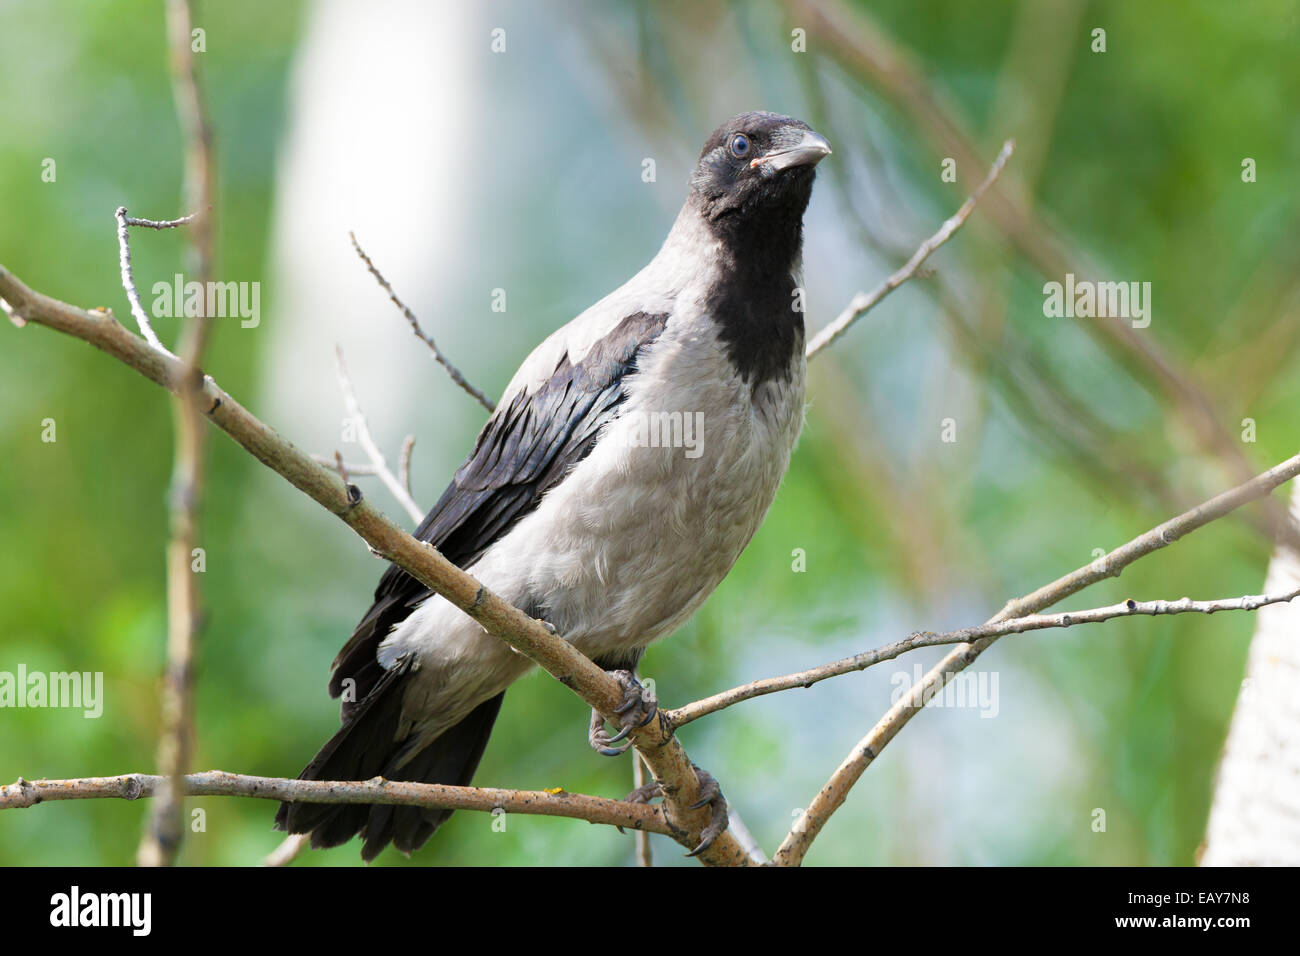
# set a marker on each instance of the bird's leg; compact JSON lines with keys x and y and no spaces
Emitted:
{"x":637,"y":709}
{"x":710,"y":796}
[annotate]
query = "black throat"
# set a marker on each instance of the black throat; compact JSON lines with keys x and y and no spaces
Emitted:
{"x":755,"y":301}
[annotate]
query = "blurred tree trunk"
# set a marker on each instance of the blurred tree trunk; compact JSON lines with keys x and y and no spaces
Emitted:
{"x":1255,"y":816}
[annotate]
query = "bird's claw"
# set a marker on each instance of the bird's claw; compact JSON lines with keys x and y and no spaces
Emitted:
{"x":620,"y":735}
{"x":600,"y":740}
{"x":637,"y":708}
{"x":645,"y":793}
{"x":710,"y":796}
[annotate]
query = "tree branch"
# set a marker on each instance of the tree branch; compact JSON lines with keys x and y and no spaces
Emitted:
{"x":994,"y":629}
{"x":664,"y":755}
{"x":643,"y":855}
{"x":420,"y":334}
{"x":161,"y":842}
{"x":833,"y":794}
{"x":218,"y":783}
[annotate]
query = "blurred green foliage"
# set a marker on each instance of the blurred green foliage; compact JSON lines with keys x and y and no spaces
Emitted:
{"x":1134,"y":155}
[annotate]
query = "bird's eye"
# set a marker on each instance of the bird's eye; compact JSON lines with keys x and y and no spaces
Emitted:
{"x":740,"y":146}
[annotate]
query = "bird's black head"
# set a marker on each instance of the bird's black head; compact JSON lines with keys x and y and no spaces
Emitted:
{"x":750,"y":190}
{"x":757,"y":169}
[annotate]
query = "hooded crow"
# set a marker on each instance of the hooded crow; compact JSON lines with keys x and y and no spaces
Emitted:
{"x":633,"y":456}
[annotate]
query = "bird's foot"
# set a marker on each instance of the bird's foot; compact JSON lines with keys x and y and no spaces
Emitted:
{"x":637,"y":709}
{"x":710,"y":796}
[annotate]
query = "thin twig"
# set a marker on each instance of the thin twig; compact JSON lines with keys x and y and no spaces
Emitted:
{"x":863,"y":302}
{"x":420,"y":334}
{"x":745,"y":838}
{"x":161,"y":842}
{"x":367,"y":442}
{"x":288,"y":850}
{"x":196,"y":132}
{"x":994,"y":629}
{"x":162,"y":223}
{"x":128,"y":282}
{"x":356,"y":469}
{"x":644,"y":857}
{"x":404,"y":462}
{"x":218,"y":783}
{"x":833,"y":794}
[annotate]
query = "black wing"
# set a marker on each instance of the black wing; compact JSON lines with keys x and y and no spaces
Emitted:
{"x":526,"y":448}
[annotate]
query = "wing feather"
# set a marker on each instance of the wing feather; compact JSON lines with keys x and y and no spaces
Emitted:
{"x":535,"y":437}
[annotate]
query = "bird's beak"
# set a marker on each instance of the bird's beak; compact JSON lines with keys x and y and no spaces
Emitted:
{"x":809,"y":150}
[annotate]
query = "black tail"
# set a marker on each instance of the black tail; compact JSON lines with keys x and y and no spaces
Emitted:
{"x":367,"y":746}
